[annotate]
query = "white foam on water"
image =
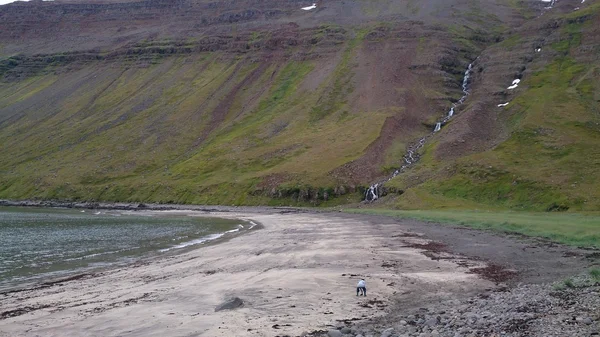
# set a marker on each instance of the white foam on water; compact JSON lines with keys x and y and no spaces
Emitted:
{"x":98,"y":254}
{"x":201,"y":240}
{"x":6,"y":2}
{"x":503,"y":105}
{"x":310,"y":7}
{"x":438,"y":127}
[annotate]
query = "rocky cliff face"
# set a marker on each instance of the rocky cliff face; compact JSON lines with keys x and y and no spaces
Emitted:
{"x":246,"y":101}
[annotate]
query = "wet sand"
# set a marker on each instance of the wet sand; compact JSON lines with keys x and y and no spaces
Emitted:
{"x":296,"y":274}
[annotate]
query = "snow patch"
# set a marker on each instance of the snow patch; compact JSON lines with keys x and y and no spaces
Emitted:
{"x":503,"y":105}
{"x":310,"y":7}
{"x":515,"y":84}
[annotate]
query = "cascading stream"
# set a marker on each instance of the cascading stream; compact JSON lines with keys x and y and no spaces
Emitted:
{"x":412,"y":156}
{"x":374,"y":191}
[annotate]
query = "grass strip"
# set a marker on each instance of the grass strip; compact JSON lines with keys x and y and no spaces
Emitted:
{"x":579,"y":230}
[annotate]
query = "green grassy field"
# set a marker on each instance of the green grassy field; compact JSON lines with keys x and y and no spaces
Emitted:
{"x":572,"y":229}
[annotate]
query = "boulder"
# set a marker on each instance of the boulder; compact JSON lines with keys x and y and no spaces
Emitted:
{"x":230,"y":304}
{"x":334,"y":333}
{"x":387,"y":332}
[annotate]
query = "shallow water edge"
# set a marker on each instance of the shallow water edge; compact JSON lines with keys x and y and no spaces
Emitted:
{"x":62,"y":267}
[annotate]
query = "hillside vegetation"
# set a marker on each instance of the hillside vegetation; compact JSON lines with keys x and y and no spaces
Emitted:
{"x":251,"y":103}
{"x":543,"y":155}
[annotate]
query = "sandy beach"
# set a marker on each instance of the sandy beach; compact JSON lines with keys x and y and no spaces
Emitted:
{"x":295,"y":273}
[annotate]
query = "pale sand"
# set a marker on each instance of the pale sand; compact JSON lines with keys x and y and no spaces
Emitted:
{"x":289,"y":273}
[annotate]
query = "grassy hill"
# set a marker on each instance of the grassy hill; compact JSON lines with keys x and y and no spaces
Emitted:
{"x":545,"y":156}
{"x":268,"y":104}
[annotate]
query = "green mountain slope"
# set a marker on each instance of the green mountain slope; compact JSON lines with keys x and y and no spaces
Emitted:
{"x":267,"y":104}
{"x":543,"y":154}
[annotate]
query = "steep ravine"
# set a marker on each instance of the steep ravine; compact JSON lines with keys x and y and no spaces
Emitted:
{"x":411,"y":157}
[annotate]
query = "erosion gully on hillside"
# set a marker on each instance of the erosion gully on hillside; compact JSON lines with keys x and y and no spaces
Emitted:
{"x":528,"y":55}
{"x":412,"y":156}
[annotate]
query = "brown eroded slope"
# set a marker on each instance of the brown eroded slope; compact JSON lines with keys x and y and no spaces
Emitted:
{"x":540,"y":151}
{"x":228,"y":102}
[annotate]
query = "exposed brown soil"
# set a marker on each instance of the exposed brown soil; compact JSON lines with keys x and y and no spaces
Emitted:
{"x":495,"y":273}
{"x":432,"y":246}
{"x":219,"y":114}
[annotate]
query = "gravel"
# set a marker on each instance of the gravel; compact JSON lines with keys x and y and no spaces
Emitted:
{"x":568,"y":308}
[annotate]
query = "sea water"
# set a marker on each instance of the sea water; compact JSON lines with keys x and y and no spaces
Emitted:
{"x":38,"y":244}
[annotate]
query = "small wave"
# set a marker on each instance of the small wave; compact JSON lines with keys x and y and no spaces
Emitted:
{"x":201,"y":240}
{"x":253,"y":224}
{"x":98,"y":254}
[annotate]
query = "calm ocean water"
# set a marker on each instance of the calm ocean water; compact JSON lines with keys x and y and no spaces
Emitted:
{"x":38,"y":244}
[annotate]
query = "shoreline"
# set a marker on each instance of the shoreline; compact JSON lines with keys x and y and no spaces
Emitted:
{"x":134,"y":206}
{"x":297,"y":274}
{"x":45,"y":280}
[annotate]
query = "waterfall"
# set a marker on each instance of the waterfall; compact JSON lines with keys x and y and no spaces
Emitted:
{"x":372,"y":193}
{"x":465,"y":84}
{"x":550,"y":3}
{"x":411,"y":156}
